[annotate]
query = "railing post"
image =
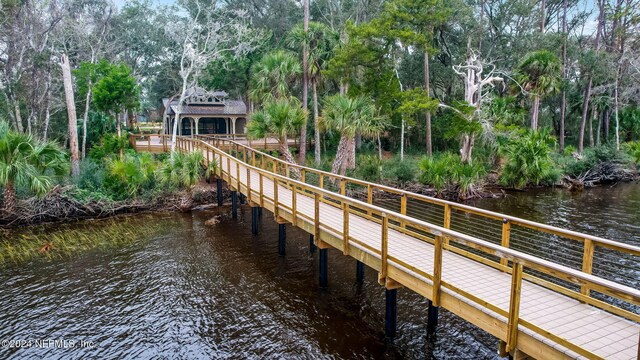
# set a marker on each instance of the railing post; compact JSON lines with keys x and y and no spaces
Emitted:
{"x":385,"y":247}
{"x":302,"y":175}
{"x":369,"y":197}
{"x":249,"y":185}
{"x":321,"y":181}
{"x":229,"y":170}
{"x":343,"y":187}
{"x":514,"y":307}
{"x":275,"y":198}
{"x":253,"y":158}
{"x":437,"y":270}
{"x":506,"y":235}
{"x":316,"y":217}
{"x":238,"y":175}
{"x":261,"y":191}
{"x":275,"y":167}
{"x":403,"y":208}
{"x":345,"y":228}
{"x":149,"y":143}
{"x":294,"y":207}
{"x":447,"y":220}
{"x":286,"y":169}
{"x":587,"y":263}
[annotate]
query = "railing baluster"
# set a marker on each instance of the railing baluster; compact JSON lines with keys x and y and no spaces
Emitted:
{"x":249,"y":185}
{"x":369,"y":197}
{"x":316,"y":217}
{"x":294,"y":207}
{"x":229,"y":170}
{"x":437,"y":270}
{"x":506,"y":234}
{"x":403,"y":208}
{"x":275,"y":198}
{"x":321,"y":181}
{"x":514,"y":307}
{"x":587,"y":263}
{"x":385,"y":246}
{"x":237,"y":163}
{"x":345,"y":228}
{"x":343,"y":187}
{"x":261,"y":190}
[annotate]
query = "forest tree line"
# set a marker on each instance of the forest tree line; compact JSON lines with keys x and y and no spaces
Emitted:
{"x":470,"y":85}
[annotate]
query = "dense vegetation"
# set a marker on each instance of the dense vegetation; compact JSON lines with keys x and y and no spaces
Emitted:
{"x":452,"y":94}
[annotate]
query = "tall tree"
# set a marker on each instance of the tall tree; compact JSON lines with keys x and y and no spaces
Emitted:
{"x":280,"y":118}
{"x":538,"y":73}
{"x":305,"y":84}
{"x":273,"y":76}
{"x":71,"y":113}
{"x":348,"y":117}
{"x":117,"y":91}
{"x":322,"y":41}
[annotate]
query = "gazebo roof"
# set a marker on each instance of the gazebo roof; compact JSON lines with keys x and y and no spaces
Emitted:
{"x":230,"y":107}
{"x":201,"y":102}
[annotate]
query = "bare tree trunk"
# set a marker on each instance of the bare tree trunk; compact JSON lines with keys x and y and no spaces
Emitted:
{"x":305,"y":86}
{"x":599,"y":130}
{"x":71,"y":112}
{"x":563,"y":103}
{"x":543,"y":10}
{"x":316,"y":119}
{"x":428,"y":114}
{"x":535,"y":112}
{"x":615,"y":104}
{"x":468,"y":141}
{"x":84,"y":121}
{"x":585,"y":109}
{"x":18,"y":115}
{"x":351,"y":163}
{"x":594,"y":114}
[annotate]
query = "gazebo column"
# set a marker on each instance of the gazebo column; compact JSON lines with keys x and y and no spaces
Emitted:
{"x":233,"y":126}
{"x":226,"y":126}
{"x":197,"y":120}
{"x":180,"y":125}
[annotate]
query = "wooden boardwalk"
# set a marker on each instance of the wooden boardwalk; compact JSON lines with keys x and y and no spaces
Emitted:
{"x":529,"y":315}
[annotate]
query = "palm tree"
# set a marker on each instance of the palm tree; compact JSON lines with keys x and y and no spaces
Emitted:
{"x":322,"y":41}
{"x":349,"y":116}
{"x":273,"y":76}
{"x":279,"y":118}
{"x":25,"y":161}
{"x":539,"y":74}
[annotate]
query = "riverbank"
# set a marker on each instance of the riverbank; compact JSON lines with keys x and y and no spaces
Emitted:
{"x":69,"y":203}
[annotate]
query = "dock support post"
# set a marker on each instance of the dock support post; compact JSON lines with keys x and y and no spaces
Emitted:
{"x":312,"y":245}
{"x":282,"y":239}
{"x":234,"y":204}
{"x":359,"y":272}
{"x":219,"y":184}
{"x":255,"y":214}
{"x":432,"y":318}
{"x":323,"y":257}
{"x":242,"y":198}
{"x":390,"y":319}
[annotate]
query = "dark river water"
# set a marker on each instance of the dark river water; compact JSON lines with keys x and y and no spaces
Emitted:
{"x":187,"y":290}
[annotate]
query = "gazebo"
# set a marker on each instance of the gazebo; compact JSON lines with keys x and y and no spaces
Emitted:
{"x":205,"y":112}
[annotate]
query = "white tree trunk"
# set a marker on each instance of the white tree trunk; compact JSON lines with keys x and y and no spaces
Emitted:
{"x":84,"y":121}
{"x":71,"y":112}
{"x":316,"y":122}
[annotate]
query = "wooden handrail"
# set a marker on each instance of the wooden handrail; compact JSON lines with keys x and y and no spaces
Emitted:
{"x":443,"y":236}
{"x":573,"y":276}
{"x":575,"y":235}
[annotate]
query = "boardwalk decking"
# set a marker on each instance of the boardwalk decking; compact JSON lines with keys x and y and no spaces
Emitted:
{"x":549,"y":324}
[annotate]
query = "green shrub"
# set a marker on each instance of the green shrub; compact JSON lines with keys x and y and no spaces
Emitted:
{"x":91,"y":177}
{"x":128,"y":176}
{"x":569,"y":150}
{"x":591,"y":158}
{"x":448,"y":170}
{"x":368,"y":168}
{"x":633,"y":149}
{"x":404,"y":172}
{"x":529,"y":160}
{"x":184,"y":170}
{"x":110,"y":144}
